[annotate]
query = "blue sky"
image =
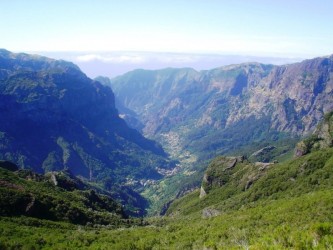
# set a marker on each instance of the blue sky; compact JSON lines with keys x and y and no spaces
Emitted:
{"x":288,"y":28}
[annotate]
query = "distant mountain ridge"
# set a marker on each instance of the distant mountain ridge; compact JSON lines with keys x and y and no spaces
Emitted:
{"x":230,"y":107}
{"x":55,"y":117}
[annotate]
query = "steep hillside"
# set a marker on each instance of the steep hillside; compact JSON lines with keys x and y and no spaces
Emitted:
{"x":242,"y":205}
{"x":233,"y":182}
{"x":321,"y":138}
{"x":224,"y":110}
{"x":256,"y":110}
{"x":53,"y":117}
{"x":56,"y":196}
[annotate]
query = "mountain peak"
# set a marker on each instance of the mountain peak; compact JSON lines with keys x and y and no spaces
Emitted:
{"x":22,"y":61}
{"x":70,"y":121}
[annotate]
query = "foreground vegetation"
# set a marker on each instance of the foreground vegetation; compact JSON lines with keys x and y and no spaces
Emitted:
{"x":301,"y":223}
{"x":56,"y":196}
{"x":289,"y":207}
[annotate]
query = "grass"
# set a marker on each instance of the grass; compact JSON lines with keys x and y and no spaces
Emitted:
{"x":304,"y":222}
{"x":289,"y":207}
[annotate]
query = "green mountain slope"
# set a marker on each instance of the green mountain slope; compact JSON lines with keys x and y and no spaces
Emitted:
{"x":241,"y":203}
{"x":230,"y":183}
{"x":321,"y":138}
{"x":56,"y":196}
{"x":246,"y":206}
{"x":223,"y":110}
{"x":247,"y":183}
{"x":54,"y":117}
{"x":242,"y":109}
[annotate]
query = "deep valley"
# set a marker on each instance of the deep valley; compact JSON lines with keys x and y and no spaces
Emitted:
{"x":237,"y":157}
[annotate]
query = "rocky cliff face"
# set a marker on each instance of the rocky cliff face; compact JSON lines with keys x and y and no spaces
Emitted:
{"x":218,"y":173}
{"x":229,"y":107}
{"x":56,"y":196}
{"x":321,"y":138}
{"x":236,"y":171}
{"x":242,"y":174}
{"x":295,"y":95}
{"x":54,"y":117}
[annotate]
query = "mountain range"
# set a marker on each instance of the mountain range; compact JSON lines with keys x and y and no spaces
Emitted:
{"x":220,"y":111}
{"x":241,"y":205}
{"x":256,"y":110}
{"x":56,"y":118}
{"x":53,"y":117}
{"x":68,"y":157}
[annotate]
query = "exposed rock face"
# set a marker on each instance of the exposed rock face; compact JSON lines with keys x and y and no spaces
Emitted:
{"x":263,"y":165}
{"x":210,"y":212}
{"x":217,"y":173}
{"x":263,"y":151}
{"x":31,"y":205}
{"x":202,"y":192}
{"x":266,"y":154}
{"x":21,"y":195}
{"x":224,"y":172}
{"x":228,"y":107}
{"x":54,"y":179}
{"x":301,"y":149}
{"x":54,"y":117}
{"x":321,"y":138}
{"x":64,"y":179}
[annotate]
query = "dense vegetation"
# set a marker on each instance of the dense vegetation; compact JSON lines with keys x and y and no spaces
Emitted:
{"x":231,"y":110}
{"x":189,"y":177}
{"x":76,"y":120}
{"x":301,"y":223}
{"x":288,"y":206}
{"x":54,"y":117}
{"x":57,"y":196}
{"x":92,"y":161}
{"x":249,"y":183}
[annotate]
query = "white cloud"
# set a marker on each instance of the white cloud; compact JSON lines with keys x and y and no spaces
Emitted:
{"x":131,"y":59}
{"x":138,"y":58}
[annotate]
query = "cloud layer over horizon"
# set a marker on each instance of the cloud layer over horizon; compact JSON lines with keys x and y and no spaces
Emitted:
{"x":112,"y":64}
